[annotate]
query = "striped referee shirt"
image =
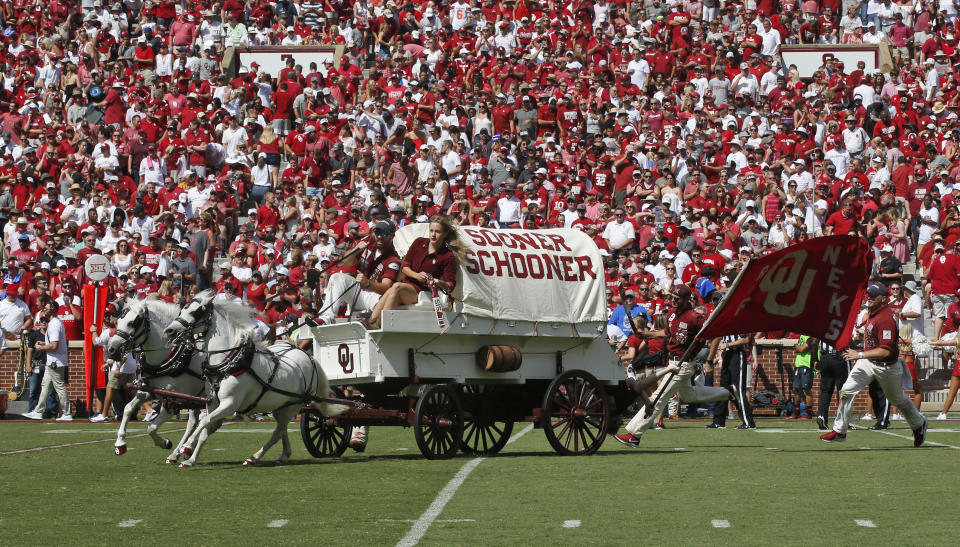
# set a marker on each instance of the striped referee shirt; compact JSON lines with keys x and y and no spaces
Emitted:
{"x":825,"y":349}
{"x":732,"y":338}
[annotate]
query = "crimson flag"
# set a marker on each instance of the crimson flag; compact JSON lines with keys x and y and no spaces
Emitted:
{"x":812,"y":288}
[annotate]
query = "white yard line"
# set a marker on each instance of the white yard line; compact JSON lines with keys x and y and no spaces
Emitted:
{"x":71,"y":431}
{"x":428,"y":517}
{"x":68,"y":445}
{"x":571,"y":524}
{"x":719,"y":523}
{"x":865,"y":523}
{"x":129,"y":523}
{"x":277,"y":523}
{"x":765,"y":430}
{"x":910,"y":437}
{"x":442,"y":521}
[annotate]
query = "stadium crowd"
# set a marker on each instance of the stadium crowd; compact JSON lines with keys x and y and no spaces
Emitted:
{"x":671,"y":132}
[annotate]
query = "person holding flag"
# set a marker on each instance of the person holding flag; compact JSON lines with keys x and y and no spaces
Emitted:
{"x":771,"y":292}
{"x":878,"y":361}
{"x":683,"y":325}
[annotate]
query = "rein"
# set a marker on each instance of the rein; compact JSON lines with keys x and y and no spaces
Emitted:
{"x":176,"y":362}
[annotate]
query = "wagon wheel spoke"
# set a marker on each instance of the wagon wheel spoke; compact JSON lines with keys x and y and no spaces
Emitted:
{"x":588,"y":431}
{"x":592,"y":400}
{"x":581,"y":386}
{"x":485,"y":436}
{"x":566,"y":428}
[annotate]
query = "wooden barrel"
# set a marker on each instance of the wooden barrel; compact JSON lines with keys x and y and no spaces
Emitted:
{"x":499,"y":358}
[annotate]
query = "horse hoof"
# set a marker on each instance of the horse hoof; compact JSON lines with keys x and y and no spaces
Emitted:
{"x":186,"y":464}
{"x":248,"y":462}
{"x":167,"y":445}
{"x":186,"y":452}
{"x":120,"y":450}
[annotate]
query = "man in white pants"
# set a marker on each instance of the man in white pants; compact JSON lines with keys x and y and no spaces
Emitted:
{"x":377,"y":267}
{"x":55,"y":373}
{"x":682,"y":327}
{"x":878,"y":361}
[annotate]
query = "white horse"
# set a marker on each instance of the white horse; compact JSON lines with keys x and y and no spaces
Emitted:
{"x":278,"y":379}
{"x":141,"y":326}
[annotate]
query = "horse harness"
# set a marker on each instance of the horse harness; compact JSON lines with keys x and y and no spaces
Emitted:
{"x":239,"y":360}
{"x":175,"y":364}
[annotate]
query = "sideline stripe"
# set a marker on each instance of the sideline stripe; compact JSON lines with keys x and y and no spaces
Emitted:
{"x":910,"y":437}
{"x":68,"y":445}
{"x":423,"y":523}
{"x":411,"y":521}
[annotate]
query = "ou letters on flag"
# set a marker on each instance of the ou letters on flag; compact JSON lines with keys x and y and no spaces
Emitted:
{"x":812,"y":288}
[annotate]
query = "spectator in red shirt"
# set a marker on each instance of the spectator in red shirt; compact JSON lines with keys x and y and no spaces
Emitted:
{"x":943,"y":278}
{"x":843,"y":221}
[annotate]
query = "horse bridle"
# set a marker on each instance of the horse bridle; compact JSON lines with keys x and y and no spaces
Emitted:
{"x":190,"y":328}
{"x":130,"y":341}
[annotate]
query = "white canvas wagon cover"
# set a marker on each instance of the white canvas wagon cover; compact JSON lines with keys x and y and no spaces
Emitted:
{"x":553,"y":275}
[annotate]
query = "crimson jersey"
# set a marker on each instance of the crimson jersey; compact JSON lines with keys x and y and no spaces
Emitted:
{"x":377,"y":265}
{"x":72,"y":325}
{"x":881,"y":332}
{"x":681,"y":330}
{"x":603,"y":181}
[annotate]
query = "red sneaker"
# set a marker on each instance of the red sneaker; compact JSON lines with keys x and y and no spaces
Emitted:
{"x":833,"y":437}
{"x":627,"y":439}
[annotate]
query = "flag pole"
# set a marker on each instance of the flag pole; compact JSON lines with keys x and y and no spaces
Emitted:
{"x":91,"y":362}
{"x":686,"y":354}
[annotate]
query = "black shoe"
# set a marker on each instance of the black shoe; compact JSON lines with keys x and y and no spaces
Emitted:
{"x":745,"y":426}
{"x":878,"y":427}
{"x":716,"y":426}
{"x":821,"y":423}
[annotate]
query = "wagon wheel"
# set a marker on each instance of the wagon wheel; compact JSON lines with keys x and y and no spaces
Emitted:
{"x":438,"y":423}
{"x":483,"y":435}
{"x":322,"y":439}
{"x":575,"y":413}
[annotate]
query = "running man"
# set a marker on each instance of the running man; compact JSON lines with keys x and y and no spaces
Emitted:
{"x":682,"y":327}
{"x":878,"y":361}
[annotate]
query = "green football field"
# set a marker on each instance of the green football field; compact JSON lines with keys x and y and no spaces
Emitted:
{"x":776,"y":485}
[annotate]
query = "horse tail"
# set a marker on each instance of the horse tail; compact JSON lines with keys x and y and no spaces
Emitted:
{"x":323,"y":390}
